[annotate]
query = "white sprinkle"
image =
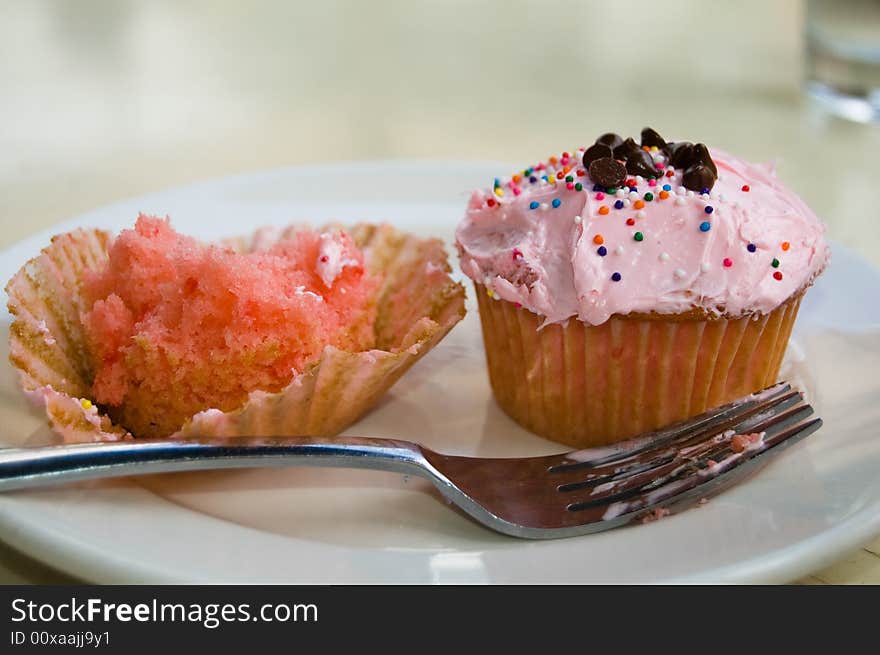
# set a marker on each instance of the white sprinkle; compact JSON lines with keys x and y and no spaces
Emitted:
{"x":640,"y":179}
{"x":681,"y":191}
{"x":620,"y":193}
{"x":679,"y":200}
{"x":664,"y":256}
{"x":578,"y":220}
{"x":545,"y":206}
{"x":690,"y":194}
{"x":679,"y":273}
{"x":640,"y":214}
{"x":633,"y":195}
{"x":627,"y":202}
{"x":705,"y":196}
{"x":705,"y":267}
{"x":618,"y":250}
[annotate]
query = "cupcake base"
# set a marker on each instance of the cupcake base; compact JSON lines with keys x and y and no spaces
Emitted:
{"x":418,"y":303}
{"x":586,"y":385}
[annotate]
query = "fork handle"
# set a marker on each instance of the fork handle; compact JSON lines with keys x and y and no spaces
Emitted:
{"x":31,"y":467}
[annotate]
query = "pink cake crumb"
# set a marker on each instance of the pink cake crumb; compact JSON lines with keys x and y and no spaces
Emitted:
{"x":176,"y":326}
{"x":655,"y":515}
{"x":740,"y":442}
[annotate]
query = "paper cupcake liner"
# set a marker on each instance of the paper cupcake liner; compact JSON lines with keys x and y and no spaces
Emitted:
{"x":588,"y":386}
{"x":418,"y":303}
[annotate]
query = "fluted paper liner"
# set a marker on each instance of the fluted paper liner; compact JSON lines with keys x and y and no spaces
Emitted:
{"x":586,"y":385}
{"x":418,"y":303}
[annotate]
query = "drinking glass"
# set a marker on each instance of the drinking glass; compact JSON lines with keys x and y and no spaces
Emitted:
{"x":843,"y":57}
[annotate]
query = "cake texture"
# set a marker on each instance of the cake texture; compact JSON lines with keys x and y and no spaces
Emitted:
{"x":284,"y":332}
{"x":622,"y":286}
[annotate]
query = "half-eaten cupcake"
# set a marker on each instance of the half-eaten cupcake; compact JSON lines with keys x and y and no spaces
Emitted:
{"x":285,"y":332}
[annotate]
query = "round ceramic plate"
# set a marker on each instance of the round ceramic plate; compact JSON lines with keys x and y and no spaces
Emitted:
{"x":808,"y":506}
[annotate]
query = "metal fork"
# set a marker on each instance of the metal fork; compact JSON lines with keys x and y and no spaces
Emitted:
{"x":533,"y":497}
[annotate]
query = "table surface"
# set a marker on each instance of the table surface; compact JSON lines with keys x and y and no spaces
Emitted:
{"x":103,"y":101}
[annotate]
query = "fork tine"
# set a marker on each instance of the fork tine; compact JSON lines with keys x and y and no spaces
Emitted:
{"x":779,"y":417}
{"x":685,"y":462}
{"x":704,"y":485}
{"x":538,"y":498}
{"x":697,"y":483}
{"x":712,"y":421}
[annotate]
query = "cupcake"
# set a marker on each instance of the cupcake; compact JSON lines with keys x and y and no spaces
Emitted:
{"x":625,"y":286}
{"x":287,"y":332}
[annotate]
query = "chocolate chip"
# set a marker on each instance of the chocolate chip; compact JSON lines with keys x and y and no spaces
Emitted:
{"x":608,"y":172}
{"x":650,"y":138}
{"x":631,"y":158}
{"x":698,"y":177}
{"x":626,"y":149}
{"x":671,"y":147}
{"x":681,"y":154}
{"x":594,"y":152}
{"x":610,"y":139}
{"x":702,"y":156}
{"x":641,"y":163}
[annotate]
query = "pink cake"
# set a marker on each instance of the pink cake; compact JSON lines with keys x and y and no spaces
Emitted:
{"x":283,"y":331}
{"x":177,"y":327}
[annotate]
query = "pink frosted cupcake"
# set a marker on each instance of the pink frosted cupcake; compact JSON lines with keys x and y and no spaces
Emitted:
{"x":154,"y":334}
{"x":626,"y":286}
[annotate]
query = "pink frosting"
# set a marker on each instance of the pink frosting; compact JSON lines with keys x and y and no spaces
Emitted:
{"x":332,"y":258}
{"x":547,"y":258}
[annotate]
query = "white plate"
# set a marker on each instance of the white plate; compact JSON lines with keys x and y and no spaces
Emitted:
{"x":813,"y":503}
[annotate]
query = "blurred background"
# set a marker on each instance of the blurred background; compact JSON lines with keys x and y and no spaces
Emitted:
{"x":104,"y":100}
